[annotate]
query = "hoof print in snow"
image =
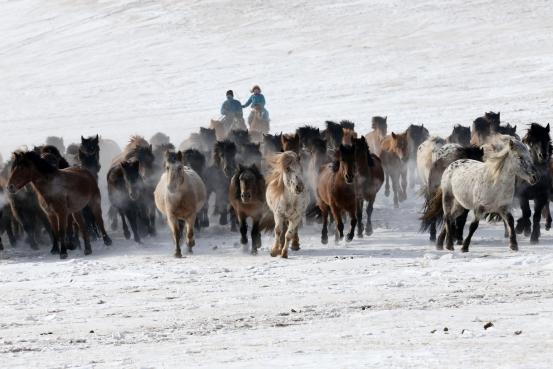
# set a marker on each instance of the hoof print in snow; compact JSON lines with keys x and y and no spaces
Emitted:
{"x":446,"y":329}
{"x":365,"y":307}
{"x":488,"y":325}
{"x":293,"y":311}
{"x":433,"y":331}
{"x":518,"y":333}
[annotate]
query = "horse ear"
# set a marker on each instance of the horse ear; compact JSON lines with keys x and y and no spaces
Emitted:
{"x":511,"y":144}
{"x":97,"y":138}
{"x":514,"y":128}
{"x":394,"y":136}
{"x":179,"y":156}
{"x":82,"y":138}
{"x":547,"y":127}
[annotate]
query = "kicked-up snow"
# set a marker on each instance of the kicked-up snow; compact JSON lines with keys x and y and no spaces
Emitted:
{"x":386,"y":301}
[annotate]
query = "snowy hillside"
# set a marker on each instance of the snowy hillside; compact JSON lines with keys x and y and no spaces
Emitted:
{"x":116,"y":68}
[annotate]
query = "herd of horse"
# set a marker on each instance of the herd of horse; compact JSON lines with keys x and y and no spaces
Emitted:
{"x":279,"y":182}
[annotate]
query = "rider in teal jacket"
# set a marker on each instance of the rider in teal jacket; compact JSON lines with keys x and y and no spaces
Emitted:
{"x":256,"y":99}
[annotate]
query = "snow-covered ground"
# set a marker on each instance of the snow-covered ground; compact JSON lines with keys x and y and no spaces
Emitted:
{"x":120,"y":67}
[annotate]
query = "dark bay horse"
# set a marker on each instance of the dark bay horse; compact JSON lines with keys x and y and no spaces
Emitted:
{"x":62,"y":194}
{"x":247,"y":197}
{"x":336,"y":192}
{"x":369,"y":180}
{"x":538,"y":141}
{"x":460,"y":135}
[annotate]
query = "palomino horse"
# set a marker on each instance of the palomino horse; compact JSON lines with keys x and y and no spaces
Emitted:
{"x":394,"y":156}
{"x":336,"y":192}
{"x":287,"y":198}
{"x":485,"y":188}
{"x":224,"y":126}
{"x":538,"y":141}
{"x":416,"y":135}
{"x":375,"y":137}
{"x":369,"y":180}
{"x":62,"y":193}
{"x":247,"y":197}
{"x":258,"y":125}
{"x":180,"y":195}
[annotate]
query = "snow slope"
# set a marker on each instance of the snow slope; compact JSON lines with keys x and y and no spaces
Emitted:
{"x":121,"y":67}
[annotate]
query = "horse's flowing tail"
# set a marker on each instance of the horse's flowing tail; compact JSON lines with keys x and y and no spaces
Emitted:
{"x":433,"y":211}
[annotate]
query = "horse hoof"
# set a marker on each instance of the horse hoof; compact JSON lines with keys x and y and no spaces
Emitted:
{"x":295,"y":247}
{"x":63,"y":255}
{"x":178,"y":254}
{"x":465,"y":249}
{"x":349,"y":238}
{"x":513,"y":247}
{"x":387,"y":193}
{"x":534,"y":241}
{"x":324,"y":240}
{"x":547,"y":227}
{"x":274,"y":253}
{"x":34,"y":247}
{"x":54,"y":251}
{"x":368,"y":232}
{"x":439,"y":247}
{"x":254,"y":252}
{"x":459,"y":242}
{"x":87,"y":251}
{"x":450,"y":247}
{"x":359,"y":234}
{"x":433,"y":238}
{"x":284,"y":255}
{"x":244,"y":241}
{"x":107,"y":241}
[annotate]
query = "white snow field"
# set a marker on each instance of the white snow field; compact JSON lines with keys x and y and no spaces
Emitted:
{"x":388,"y":301}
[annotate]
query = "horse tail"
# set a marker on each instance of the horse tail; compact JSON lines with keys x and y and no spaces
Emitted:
{"x":267,"y":221}
{"x":433,"y":211}
{"x":422,"y":191}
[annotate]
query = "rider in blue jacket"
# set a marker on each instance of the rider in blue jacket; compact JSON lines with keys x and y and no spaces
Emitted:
{"x":231,"y":106}
{"x":256,"y":99}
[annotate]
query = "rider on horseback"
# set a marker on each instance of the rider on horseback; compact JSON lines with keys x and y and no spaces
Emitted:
{"x":257,"y":101}
{"x":231,"y":108}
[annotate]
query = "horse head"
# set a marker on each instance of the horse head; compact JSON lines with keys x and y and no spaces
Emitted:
{"x":400,"y":145}
{"x":539,"y":142}
{"x":133,"y":180}
{"x":292,"y":174}
{"x":345,"y":158}
{"x":26,"y":167}
{"x":460,"y":135}
{"x":291,"y":142}
{"x":380,"y":124}
{"x":224,"y":156}
{"x":90,"y":146}
{"x":250,"y":183}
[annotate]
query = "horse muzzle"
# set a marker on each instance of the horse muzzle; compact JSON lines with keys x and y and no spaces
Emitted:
{"x":349,"y":178}
{"x":533,"y":179}
{"x":12,"y":189}
{"x":299,"y":188}
{"x":246,"y":197}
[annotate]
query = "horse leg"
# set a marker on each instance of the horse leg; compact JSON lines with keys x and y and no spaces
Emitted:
{"x":547,"y":215}
{"x":472,"y":229}
{"x":132,"y":215}
{"x":369,"y":211}
{"x":204,"y":215}
{"x":324,"y":233}
{"x":233,"y":219}
{"x":291,"y":232}
{"x":412,"y":176}
{"x":523,"y":223}
{"x":539,"y":203}
{"x":395,"y":187}
{"x":96,"y":207}
{"x":449,"y":205}
{"x":295,"y":242}
{"x":62,"y":226}
{"x":508,"y":218}
{"x":403,"y":183}
{"x":126,"y":231}
{"x":256,"y":236}
{"x":190,"y":241}
{"x":55,"y":232}
{"x":359,"y":215}
{"x":337,"y":214}
{"x":223,"y":210}
{"x":176,"y":229}
{"x":387,"y":183}
{"x":353,"y":222}
{"x":243,"y":229}
{"x":279,"y":226}
{"x":79,"y":219}
{"x":460,"y":226}
{"x":441,"y":238}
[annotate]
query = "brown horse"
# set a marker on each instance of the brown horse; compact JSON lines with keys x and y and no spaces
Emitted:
{"x":336,"y":192}
{"x":370,"y":177}
{"x":349,"y":133}
{"x":180,"y":195}
{"x":394,"y":156}
{"x":291,"y":142}
{"x":375,"y":137}
{"x":62,"y":193}
{"x":258,"y":125}
{"x":247,"y":197}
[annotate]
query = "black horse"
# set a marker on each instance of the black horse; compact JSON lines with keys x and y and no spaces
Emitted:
{"x":538,"y":141}
{"x":460,"y":135}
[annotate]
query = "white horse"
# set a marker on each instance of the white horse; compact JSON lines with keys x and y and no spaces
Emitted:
{"x":426,"y":155}
{"x":486,"y":188}
{"x":287,"y":197}
{"x":180,"y":195}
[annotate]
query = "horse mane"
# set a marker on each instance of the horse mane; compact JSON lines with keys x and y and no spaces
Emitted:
{"x":334,"y":132}
{"x":379,"y":123}
{"x":346,"y":124}
{"x":308,"y":133}
{"x":42,"y":165}
{"x":221,"y":147}
{"x":481,"y":125}
{"x":257,"y":175}
{"x":193,"y":156}
{"x":52,"y":150}
{"x":470,"y":152}
{"x":278,"y":162}
{"x":136,"y":145}
{"x":497,"y":153}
